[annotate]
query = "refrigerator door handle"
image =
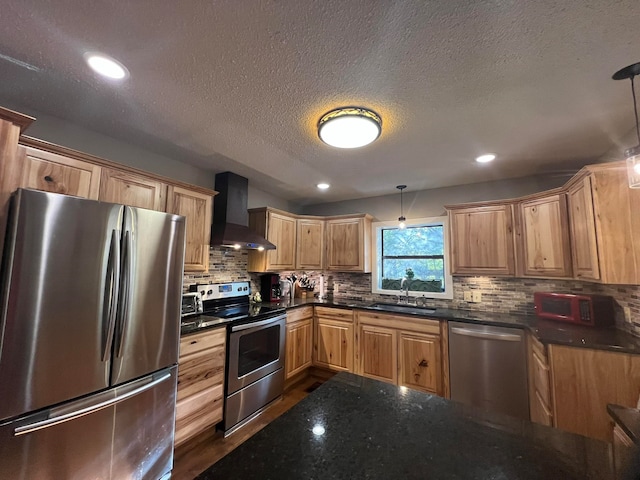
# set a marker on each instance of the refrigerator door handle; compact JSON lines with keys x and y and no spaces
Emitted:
{"x":67,"y":417}
{"x":113,"y":282}
{"x":125,"y":291}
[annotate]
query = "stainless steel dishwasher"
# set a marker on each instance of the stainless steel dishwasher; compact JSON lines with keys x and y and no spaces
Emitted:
{"x":488,"y":368}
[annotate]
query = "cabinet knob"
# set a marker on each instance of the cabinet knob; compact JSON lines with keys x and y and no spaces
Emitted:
{"x":47,"y":178}
{"x":423,"y":363}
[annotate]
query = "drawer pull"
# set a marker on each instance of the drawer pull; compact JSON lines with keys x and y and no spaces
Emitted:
{"x":48,"y":179}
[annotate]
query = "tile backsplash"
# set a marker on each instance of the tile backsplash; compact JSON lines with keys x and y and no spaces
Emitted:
{"x":504,"y":295}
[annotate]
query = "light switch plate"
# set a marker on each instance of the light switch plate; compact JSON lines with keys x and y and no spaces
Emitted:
{"x":476,"y":297}
{"x":468,"y":296}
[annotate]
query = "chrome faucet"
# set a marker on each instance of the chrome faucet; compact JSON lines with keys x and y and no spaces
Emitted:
{"x":404,"y":284}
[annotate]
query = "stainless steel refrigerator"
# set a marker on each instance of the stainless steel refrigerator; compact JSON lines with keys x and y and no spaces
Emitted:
{"x":90,"y":321}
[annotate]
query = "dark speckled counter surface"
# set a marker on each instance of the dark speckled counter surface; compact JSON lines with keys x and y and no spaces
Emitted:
{"x":546,"y":331}
{"x":374,"y":430}
{"x":628,"y":419}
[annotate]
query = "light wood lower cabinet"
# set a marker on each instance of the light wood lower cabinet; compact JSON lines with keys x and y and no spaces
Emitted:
{"x":333,"y":339}
{"x":200,"y":396}
{"x":540,"y":399}
{"x":299,"y":341}
{"x":402,"y":350}
{"x":584,"y":381}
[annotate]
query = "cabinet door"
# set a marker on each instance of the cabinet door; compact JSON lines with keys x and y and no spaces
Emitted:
{"x":347,"y":245}
{"x":334,"y":345}
{"x":310,"y":244}
{"x":545,"y":237}
{"x":133,"y":190}
{"x":281,"y":231}
{"x":482,"y":240}
{"x":584,"y":381}
{"x":55,"y":173}
{"x":378,"y":353}
{"x":420,"y":363}
{"x":299,"y":346}
{"x":583,"y":231}
{"x":196,"y":208}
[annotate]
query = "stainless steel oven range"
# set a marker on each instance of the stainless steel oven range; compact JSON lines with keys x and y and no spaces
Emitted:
{"x":254,"y":375}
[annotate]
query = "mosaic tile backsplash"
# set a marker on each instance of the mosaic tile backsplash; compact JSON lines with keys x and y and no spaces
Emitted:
{"x":504,"y":295}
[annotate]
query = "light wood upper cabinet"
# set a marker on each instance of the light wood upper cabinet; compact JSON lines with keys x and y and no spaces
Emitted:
{"x":200,"y":395}
{"x":584,"y":381}
{"x":420,"y":362}
{"x":280,"y":229}
{"x":378,"y":352}
{"x":334,"y":339}
{"x":196,"y":207}
{"x":55,"y":173}
{"x":133,"y":190}
{"x":582,"y":225}
{"x":544,"y":247}
{"x":349,"y":244}
{"x":310,"y":244}
{"x":482,"y":240}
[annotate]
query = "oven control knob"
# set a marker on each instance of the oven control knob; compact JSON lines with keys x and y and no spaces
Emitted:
{"x":202,"y":292}
{"x":210,"y":292}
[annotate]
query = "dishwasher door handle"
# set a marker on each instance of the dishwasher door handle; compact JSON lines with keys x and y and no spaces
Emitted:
{"x":505,"y":337}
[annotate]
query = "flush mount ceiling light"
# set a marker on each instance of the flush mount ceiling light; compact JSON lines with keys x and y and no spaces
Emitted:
{"x":106,"y":66}
{"x":349,"y":127}
{"x":632,"y":154}
{"x":323,"y":186}
{"x":489,"y":157}
{"x":401,"y":218}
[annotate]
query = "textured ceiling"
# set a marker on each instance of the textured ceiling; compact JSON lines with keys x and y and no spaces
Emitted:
{"x":240,"y":84}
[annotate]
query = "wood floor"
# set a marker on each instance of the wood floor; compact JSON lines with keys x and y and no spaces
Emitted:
{"x":195,"y":456}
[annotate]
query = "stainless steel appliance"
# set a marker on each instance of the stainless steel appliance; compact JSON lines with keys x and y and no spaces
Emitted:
{"x":254,"y":374}
{"x":488,"y":368}
{"x":89,"y":325}
{"x":191,"y":304}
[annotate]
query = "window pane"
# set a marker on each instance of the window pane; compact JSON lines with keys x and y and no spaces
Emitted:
{"x":428,"y":274}
{"x":413,"y":241}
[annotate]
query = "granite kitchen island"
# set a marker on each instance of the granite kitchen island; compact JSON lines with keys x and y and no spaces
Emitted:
{"x":357,"y":428}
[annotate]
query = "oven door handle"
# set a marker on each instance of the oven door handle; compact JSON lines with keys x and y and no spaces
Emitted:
{"x":247,"y":326}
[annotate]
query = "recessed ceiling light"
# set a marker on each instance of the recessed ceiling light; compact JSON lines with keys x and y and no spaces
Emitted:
{"x":323,"y":186}
{"x":106,"y":66}
{"x":349,"y":127}
{"x":489,"y":157}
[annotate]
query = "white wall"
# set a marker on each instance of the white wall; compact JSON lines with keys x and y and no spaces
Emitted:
{"x":430,"y":203}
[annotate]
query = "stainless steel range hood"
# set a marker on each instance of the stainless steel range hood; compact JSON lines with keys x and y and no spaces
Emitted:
{"x":230,"y":216}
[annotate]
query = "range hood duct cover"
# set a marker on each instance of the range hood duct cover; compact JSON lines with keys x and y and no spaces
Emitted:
{"x":230,"y":217}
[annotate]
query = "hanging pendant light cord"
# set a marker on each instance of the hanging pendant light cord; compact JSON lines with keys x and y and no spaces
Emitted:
{"x":635,"y":106}
{"x":402,"y":207}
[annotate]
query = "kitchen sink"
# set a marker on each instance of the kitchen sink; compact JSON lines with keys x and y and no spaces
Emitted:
{"x":394,"y":307}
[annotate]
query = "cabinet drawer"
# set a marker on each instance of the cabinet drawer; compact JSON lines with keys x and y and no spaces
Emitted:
{"x":200,"y":371}
{"x":300,"y":313}
{"x":541,"y":378}
{"x":403,"y":322}
{"x":340,"y":314}
{"x":539,"y":411}
{"x":201,"y":341}
{"x":198,"y":412}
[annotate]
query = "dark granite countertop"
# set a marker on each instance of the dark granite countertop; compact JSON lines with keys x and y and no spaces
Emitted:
{"x":628,"y":419}
{"x":201,"y":323}
{"x":548,"y":332}
{"x":373,"y":430}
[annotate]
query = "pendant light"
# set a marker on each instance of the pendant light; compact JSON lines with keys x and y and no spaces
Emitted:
{"x":632,"y":154}
{"x":401,"y":218}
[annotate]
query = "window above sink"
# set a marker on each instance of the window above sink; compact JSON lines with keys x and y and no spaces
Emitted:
{"x":420,"y":249}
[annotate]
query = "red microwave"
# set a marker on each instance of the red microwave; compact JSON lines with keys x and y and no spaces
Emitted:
{"x":590,"y":310}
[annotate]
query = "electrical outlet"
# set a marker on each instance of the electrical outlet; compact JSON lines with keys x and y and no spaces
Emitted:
{"x":627,"y":315}
{"x":468,"y":297}
{"x":477,"y":297}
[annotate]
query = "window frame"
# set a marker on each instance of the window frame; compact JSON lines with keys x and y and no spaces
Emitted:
{"x":376,"y":237}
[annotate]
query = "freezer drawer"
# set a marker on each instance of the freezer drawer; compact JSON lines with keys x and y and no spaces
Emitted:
{"x":120,"y":433}
{"x":488,"y":368}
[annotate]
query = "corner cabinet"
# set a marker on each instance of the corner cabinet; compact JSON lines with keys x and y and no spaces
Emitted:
{"x":349,"y":243}
{"x":333,"y":339}
{"x":310,"y":244}
{"x":280,"y":229}
{"x":542,"y":237}
{"x":51,"y":168}
{"x":197,"y":208}
{"x":582,"y":225}
{"x":482,"y":239}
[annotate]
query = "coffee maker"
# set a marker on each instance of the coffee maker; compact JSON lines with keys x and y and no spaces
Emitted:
{"x":270,"y":287}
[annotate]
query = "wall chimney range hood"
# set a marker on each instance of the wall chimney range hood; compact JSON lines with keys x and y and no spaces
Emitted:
{"x":230,"y":217}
